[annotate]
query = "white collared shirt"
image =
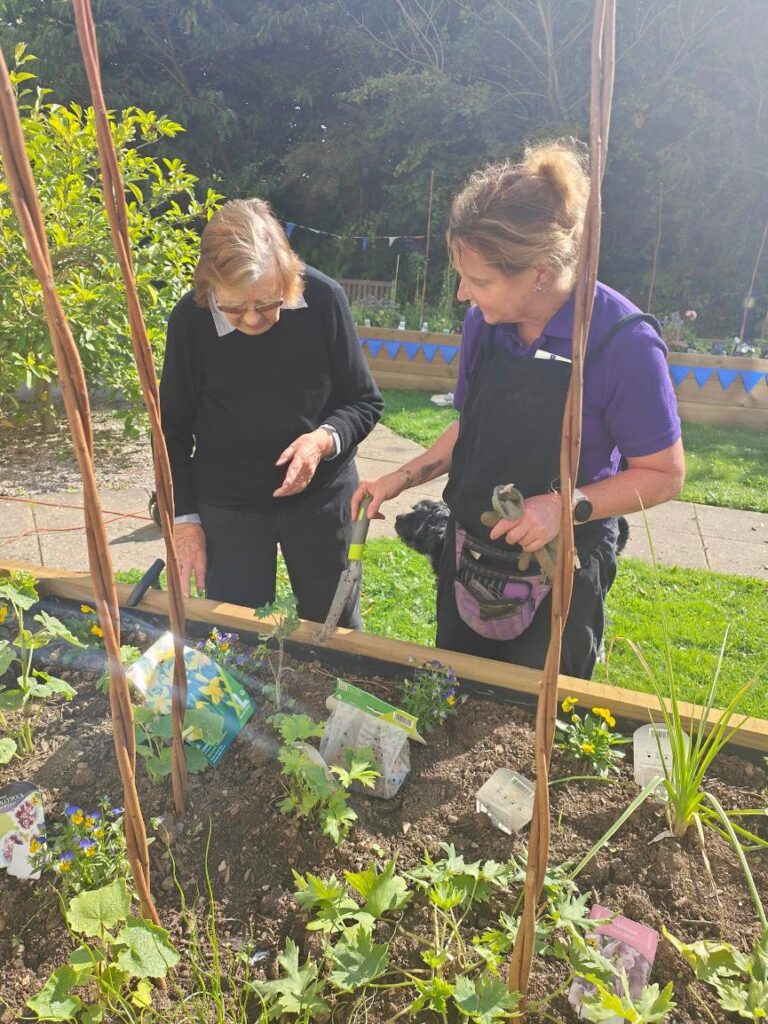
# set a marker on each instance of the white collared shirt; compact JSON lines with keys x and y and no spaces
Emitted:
{"x":222,"y":324}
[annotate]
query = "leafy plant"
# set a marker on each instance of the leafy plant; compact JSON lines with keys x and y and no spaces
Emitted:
{"x":432,"y":695}
{"x":33,"y":686}
{"x":285,"y":619}
{"x":297,"y":991}
{"x":605,"y":1004}
{"x":85,"y":852}
{"x":243,"y":662}
{"x":740,"y":980}
{"x":590,"y":738}
{"x":110,"y":970}
{"x":315,"y":790}
{"x":162,"y":214}
{"x":154,"y":737}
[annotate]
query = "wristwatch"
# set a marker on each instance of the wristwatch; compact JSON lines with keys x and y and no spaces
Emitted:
{"x":581,"y":509}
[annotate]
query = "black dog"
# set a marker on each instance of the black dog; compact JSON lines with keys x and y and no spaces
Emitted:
{"x":423,"y":529}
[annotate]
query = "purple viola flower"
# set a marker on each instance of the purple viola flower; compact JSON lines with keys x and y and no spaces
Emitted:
{"x":71,"y":810}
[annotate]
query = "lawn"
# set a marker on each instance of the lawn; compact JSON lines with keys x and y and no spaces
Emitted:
{"x":725,"y":466}
{"x":398,"y":600}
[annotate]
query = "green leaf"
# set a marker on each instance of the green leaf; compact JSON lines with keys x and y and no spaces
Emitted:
{"x":7,"y":749}
{"x":195,"y":758}
{"x":55,"y":1001}
{"x":433,"y":995}
{"x":56,"y":685}
{"x":142,"y":994}
{"x":7,"y":654}
{"x":94,"y":913}
{"x":147,"y":952}
{"x":298,"y":990}
{"x":55,"y":628}
{"x":654,"y":1005}
{"x":11,"y":700}
{"x":293,"y":728}
{"x":484,"y":999}
{"x":709,"y":960}
{"x":160,"y":765}
{"x":92,"y":1014}
{"x":19,"y":589}
{"x":381,"y":890}
{"x":357,"y":960}
{"x":207,"y":723}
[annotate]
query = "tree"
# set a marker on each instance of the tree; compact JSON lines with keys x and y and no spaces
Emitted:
{"x":163,"y":214}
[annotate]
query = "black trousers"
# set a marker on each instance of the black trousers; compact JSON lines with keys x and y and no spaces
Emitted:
{"x":313,"y":536}
{"x":583,"y":631}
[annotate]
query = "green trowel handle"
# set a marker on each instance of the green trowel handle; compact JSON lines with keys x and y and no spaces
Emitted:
{"x":359,"y":531}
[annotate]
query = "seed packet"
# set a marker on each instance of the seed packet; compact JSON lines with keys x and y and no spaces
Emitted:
{"x":627,"y":944}
{"x":209,"y":686}
{"x":22,"y":819}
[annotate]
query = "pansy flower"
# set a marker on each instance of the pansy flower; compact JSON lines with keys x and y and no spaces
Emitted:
{"x":605,"y":714}
{"x":587,"y":747}
{"x":88,"y":847}
{"x":87,"y":610}
{"x":64,"y":863}
{"x":97,"y":630}
{"x":569,"y":704}
{"x":3,"y":612}
{"x":36,"y":843}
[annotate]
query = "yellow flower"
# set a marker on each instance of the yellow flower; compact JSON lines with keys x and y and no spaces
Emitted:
{"x":34,"y":846}
{"x":97,"y":630}
{"x":569,"y":704}
{"x":587,"y":747}
{"x":194,"y":732}
{"x":87,"y":610}
{"x":159,"y":699}
{"x":89,"y":851}
{"x":78,"y":817}
{"x":3,"y":612}
{"x":214,"y":690}
{"x":605,"y":713}
{"x":450,"y":701}
{"x":89,"y":822}
{"x":224,"y":648}
{"x":64,"y":865}
{"x":98,"y":832}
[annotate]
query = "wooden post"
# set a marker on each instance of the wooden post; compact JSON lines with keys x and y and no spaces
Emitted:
{"x":426,"y":261}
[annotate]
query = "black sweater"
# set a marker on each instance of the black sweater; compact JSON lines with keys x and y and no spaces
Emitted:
{"x":231,"y":404}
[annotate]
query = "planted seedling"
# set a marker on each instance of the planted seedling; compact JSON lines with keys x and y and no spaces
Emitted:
{"x":590,"y":739}
{"x":314,"y":789}
{"x":285,"y":619}
{"x":154,"y":737}
{"x":25,"y":701}
{"x":111,"y":968}
{"x":432,"y":695}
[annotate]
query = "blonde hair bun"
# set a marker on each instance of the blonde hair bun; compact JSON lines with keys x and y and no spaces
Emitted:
{"x":565,"y":167}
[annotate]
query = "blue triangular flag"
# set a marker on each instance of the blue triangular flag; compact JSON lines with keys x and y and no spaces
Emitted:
{"x":429,"y":352}
{"x":678,"y":374}
{"x":750,"y":378}
{"x":289,"y":228}
{"x":448,"y":352}
{"x":393,"y":347}
{"x":727,"y":378}
{"x":374,"y":346}
{"x":702,"y":375}
{"x":411,"y":348}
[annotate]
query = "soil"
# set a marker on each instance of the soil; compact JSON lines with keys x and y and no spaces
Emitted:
{"x":254,"y":848}
{"x":36,"y":462}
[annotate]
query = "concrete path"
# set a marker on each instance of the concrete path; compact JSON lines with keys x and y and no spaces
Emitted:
{"x":48,"y":529}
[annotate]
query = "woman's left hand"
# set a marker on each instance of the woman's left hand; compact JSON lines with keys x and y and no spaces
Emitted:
{"x":537,"y":526}
{"x":302,"y":456}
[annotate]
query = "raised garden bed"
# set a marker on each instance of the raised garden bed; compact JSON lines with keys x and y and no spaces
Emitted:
{"x":253,"y":849}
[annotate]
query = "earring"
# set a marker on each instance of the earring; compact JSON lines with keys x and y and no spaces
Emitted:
{"x":538,"y":288}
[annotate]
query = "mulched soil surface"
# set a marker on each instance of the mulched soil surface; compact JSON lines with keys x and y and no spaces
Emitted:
{"x":253,"y":848}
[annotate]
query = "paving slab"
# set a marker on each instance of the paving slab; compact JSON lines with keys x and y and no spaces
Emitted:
{"x":48,"y":529}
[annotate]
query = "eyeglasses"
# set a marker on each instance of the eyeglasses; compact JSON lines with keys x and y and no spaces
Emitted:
{"x":262,"y":308}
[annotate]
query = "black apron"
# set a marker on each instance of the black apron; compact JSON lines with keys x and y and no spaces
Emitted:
{"x":510,"y":432}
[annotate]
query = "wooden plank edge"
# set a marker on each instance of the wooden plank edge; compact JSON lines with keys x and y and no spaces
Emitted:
{"x":514,"y":679}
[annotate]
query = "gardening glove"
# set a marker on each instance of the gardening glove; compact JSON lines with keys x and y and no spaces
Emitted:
{"x":508,"y":503}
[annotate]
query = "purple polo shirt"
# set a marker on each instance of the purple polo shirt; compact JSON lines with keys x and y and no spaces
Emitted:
{"x":629,"y":407}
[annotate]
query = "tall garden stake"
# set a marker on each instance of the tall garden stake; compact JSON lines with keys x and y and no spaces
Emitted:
{"x":21,"y":185}
{"x":586,"y":275}
{"x":114,"y":200}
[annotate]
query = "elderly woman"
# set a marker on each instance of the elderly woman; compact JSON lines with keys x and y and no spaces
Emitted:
{"x":514,"y":236}
{"x":265,"y":396}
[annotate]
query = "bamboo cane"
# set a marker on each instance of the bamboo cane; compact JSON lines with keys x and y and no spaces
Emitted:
{"x":117,"y":211}
{"x":21,"y":186}
{"x":586,"y":274}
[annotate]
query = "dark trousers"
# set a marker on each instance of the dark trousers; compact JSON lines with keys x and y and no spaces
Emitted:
{"x":313,"y":535}
{"x":584,"y":627}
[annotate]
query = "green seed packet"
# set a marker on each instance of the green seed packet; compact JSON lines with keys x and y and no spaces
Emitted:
{"x":210,"y":689}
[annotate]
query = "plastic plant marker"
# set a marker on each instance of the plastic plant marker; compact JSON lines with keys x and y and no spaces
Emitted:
{"x":507,"y":799}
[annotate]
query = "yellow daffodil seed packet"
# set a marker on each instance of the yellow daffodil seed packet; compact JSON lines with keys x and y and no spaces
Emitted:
{"x":217,"y":705}
{"x":22,"y":821}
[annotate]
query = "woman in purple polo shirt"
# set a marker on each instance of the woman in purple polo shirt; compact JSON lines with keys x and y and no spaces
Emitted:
{"x":514,"y":236}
